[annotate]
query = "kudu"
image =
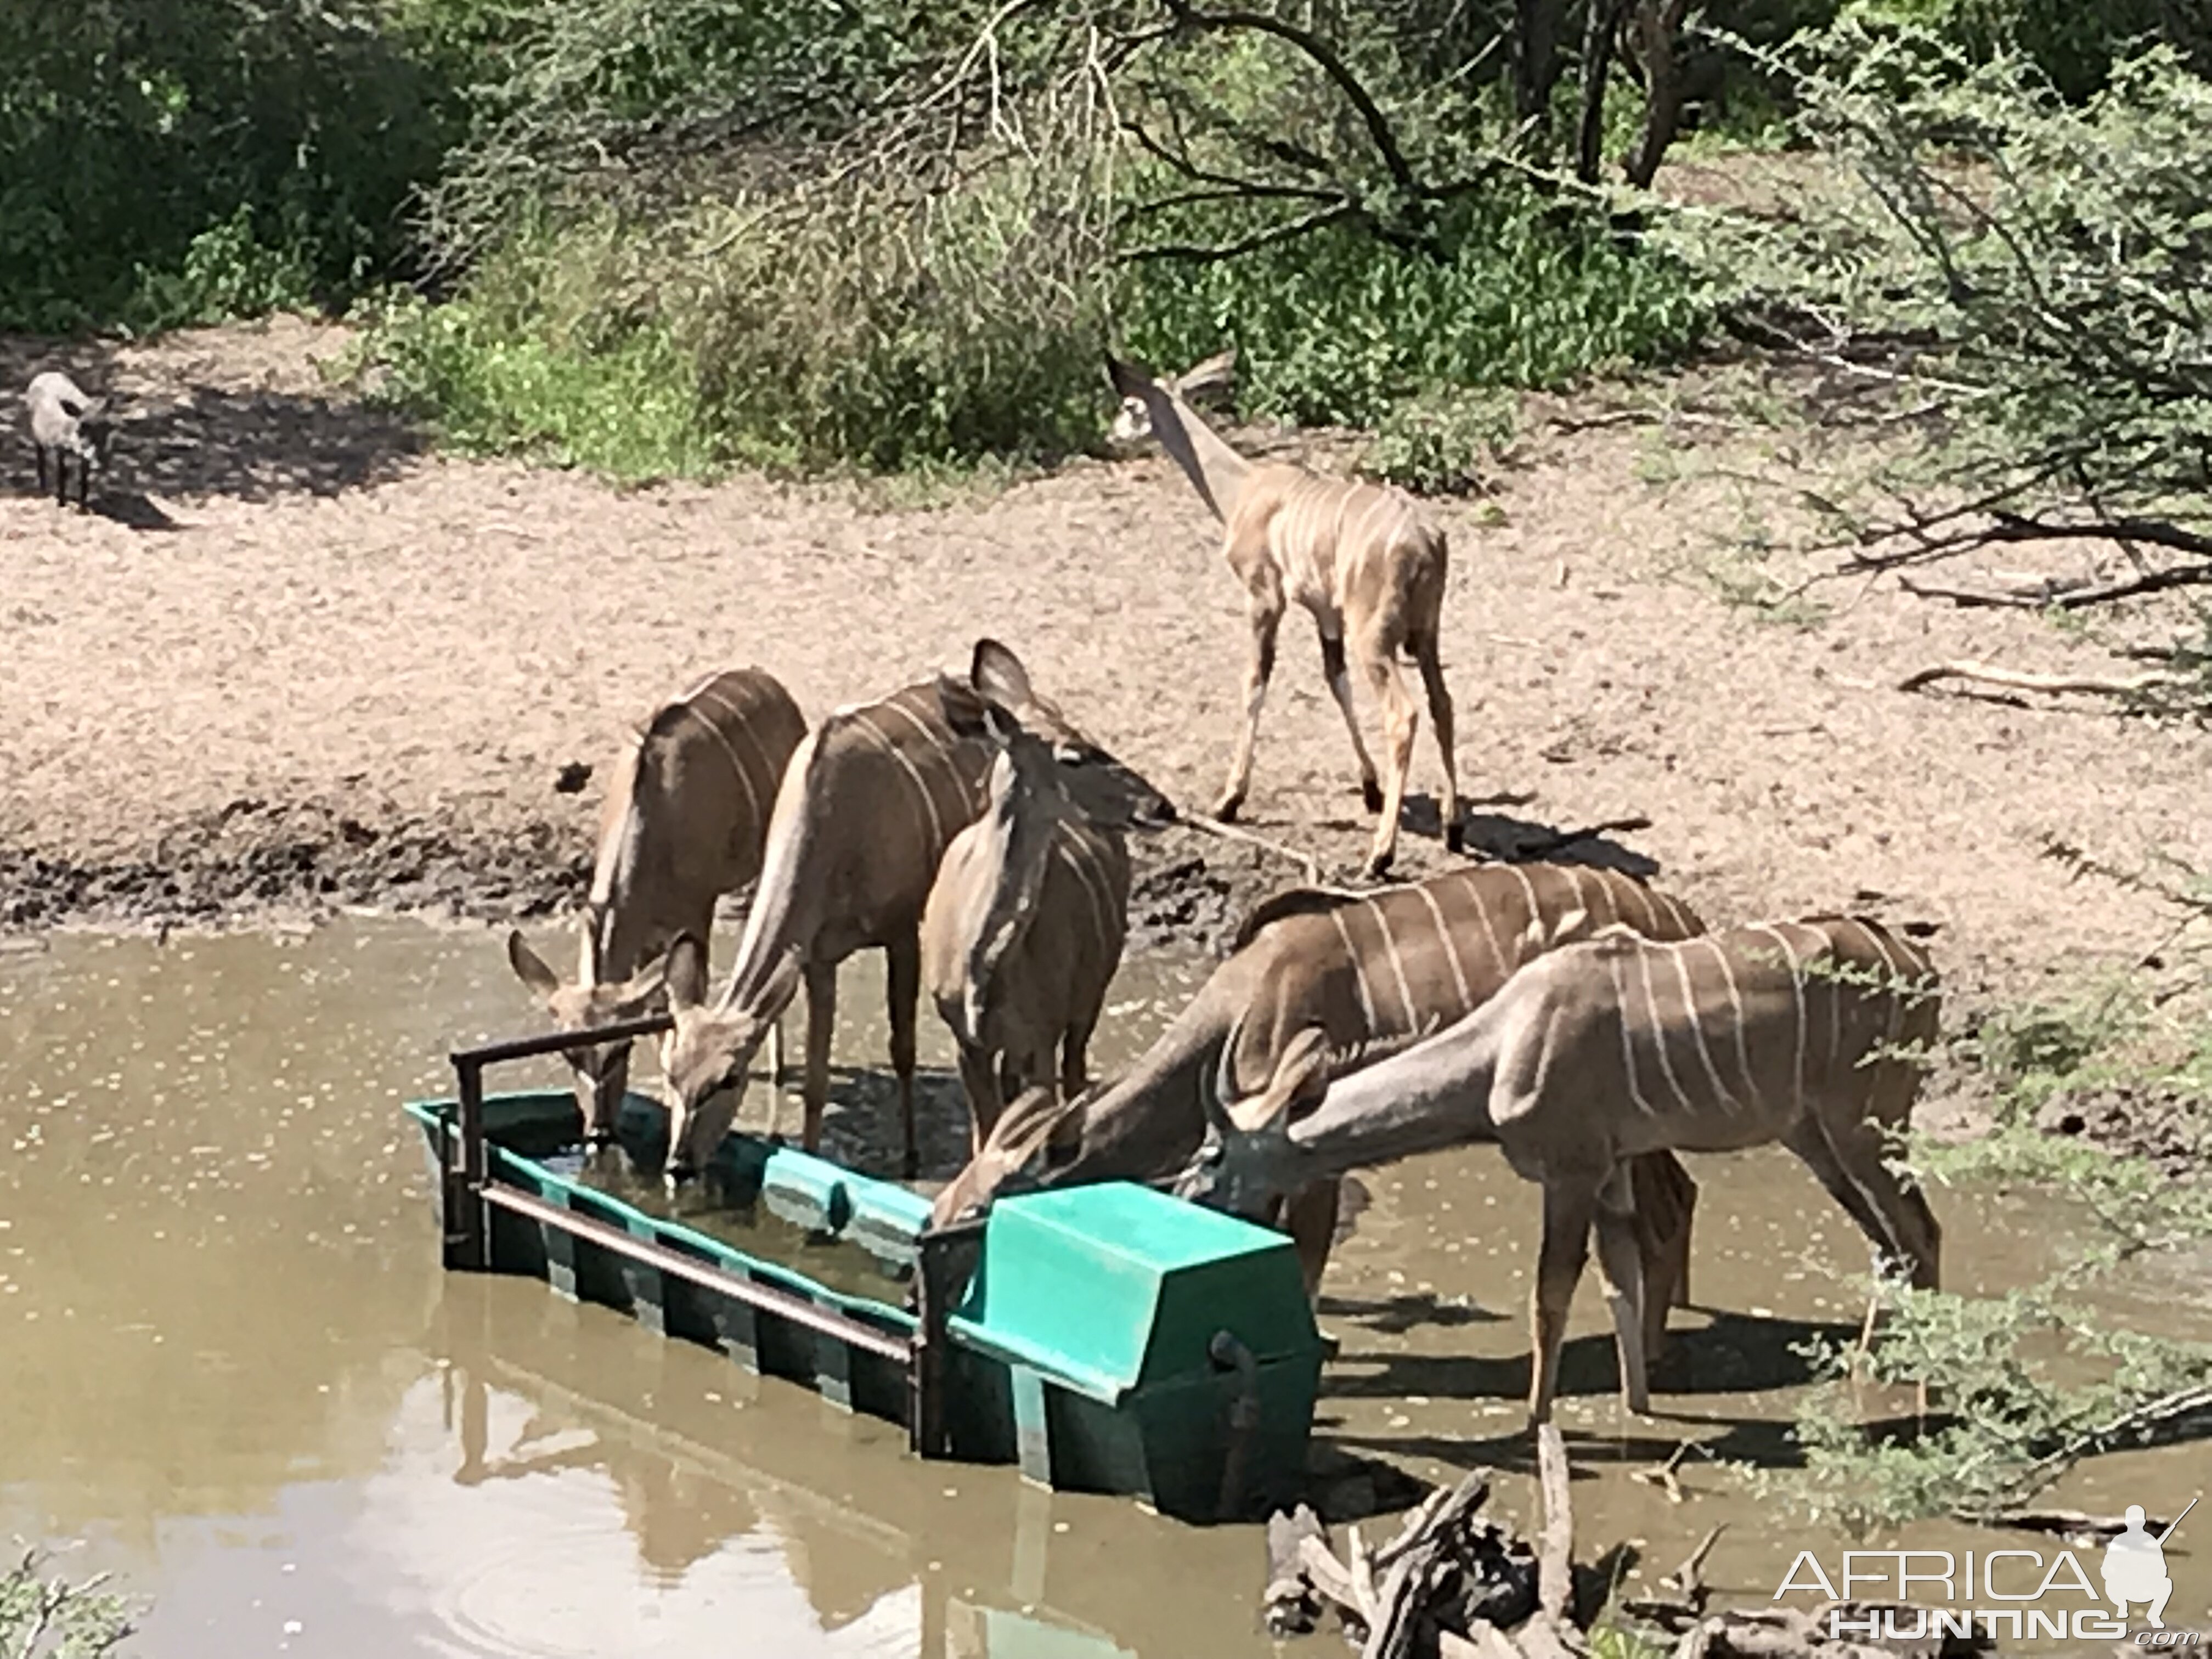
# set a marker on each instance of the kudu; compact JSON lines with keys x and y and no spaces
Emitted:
{"x":685,"y":822}
{"x":1366,"y":561}
{"x":67,"y":421}
{"x":1024,"y":924}
{"x":871,"y":798}
{"x":1806,"y":1032}
{"x":1360,"y":974}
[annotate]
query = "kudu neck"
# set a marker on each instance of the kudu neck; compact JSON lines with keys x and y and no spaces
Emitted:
{"x":1215,"y":471}
{"x":1432,"y":1096}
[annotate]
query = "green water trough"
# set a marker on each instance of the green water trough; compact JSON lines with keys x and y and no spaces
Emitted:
{"x":1106,"y":1338}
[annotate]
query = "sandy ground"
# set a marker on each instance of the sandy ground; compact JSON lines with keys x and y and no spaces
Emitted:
{"x":301,"y":659}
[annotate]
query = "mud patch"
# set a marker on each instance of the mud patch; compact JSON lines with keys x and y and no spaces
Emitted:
{"x":252,"y":858}
{"x":2166,"y":1122}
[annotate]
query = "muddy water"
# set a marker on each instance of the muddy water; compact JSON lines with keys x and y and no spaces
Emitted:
{"x":229,"y":1361}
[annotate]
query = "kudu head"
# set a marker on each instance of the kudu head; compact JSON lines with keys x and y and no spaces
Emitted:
{"x":1137,"y":391}
{"x":1041,"y":756}
{"x":1036,"y":1134}
{"x":602,"y":1069}
{"x":706,"y":1055}
{"x":1248,"y":1159}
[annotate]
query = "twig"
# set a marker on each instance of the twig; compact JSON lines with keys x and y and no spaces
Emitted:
{"x":2019,"y":679}
{"x":1689,"y":1578}
{"x":1206,"y":825}
{"x":1556,"y":1545}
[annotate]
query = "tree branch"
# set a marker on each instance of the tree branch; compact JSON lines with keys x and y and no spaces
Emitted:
{"x":1325,"y":57}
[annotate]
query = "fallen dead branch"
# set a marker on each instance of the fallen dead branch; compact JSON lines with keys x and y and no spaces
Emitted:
{"x":1456,"y":1585}
{"x":2019,"y":679}
{"x":1305,"y":861}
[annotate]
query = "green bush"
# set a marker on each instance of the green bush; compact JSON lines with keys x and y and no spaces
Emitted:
{"x":165,"y":161}
{"x":1340,"y":327}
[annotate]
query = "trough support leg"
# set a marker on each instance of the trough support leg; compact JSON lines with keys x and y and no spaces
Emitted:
{"x":1032,"y":1434}
{"x":945,"y":1257}
{"x":467,"y":1241}
{"x":833,"y":1371}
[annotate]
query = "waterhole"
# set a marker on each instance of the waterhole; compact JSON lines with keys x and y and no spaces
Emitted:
{"x":231,"y":1365}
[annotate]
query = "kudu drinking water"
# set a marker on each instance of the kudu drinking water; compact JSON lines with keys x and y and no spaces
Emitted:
{"x":1366,"y":561}
{"x":1025,"y":921}
{"x":1356,"y":975}
{"x":870,"y":802}
{"x":1805,"y":1032}
{"x":685,"y":822}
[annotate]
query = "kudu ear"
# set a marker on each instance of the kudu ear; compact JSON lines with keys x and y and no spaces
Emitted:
{"x":1301,"y":1080}
{"x":684,"y":971}
{"x":1216,"y":374}
{"x":1129,"y":380}
{"x":998,"y":674}
{"x":643,"y":988}
{"x":1542,"y":935}
{"x":529,"y":967}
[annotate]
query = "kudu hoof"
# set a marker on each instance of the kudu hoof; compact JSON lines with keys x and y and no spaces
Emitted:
{"x":1226,"y":809}
{"x":1378,"y":865}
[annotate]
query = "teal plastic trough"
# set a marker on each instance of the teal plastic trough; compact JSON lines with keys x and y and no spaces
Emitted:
{"x":1107,"y":1339}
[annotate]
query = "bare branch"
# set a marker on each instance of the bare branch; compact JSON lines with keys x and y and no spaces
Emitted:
{"x":2020,"y":679}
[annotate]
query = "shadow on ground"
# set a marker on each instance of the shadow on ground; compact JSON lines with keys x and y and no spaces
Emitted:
{"x":179,"y":436}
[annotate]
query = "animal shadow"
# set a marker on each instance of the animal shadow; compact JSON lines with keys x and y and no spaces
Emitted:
{"x":1512,"y":840}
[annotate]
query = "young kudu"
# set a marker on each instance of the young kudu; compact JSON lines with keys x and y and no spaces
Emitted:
{"x":1805,"y":1032}
{"x":1024,"y":924}
{"x":868,"y":805}
{"x":1365,"y":560}
{"x":1358,"y":976}
{"x":685,"y":822}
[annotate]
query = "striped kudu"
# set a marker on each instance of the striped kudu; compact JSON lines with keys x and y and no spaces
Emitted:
{"x":870,"y":802}
{"x":685,"y":821}
{"x":1366,"y":561}
{"x":1361,"y":974}
{"x":1806,"y":1032}
{"x":1025,"y":921}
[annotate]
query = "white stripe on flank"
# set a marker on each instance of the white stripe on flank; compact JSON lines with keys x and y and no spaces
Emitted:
{"x":1735,"y":1003}
{"x":942,"y":742}
{"x":1617,"y":882}
{"x":722,"y":740}
{"x":1627,"y":1043}
{"x":1659,"y":1029}
{"x":1536,"y":915}
{"x":1451,"y":950}
{"x":1489,"y":931}
{"x":1696,"y":1018}
{"x":1397,"y":970}
{"x":1358,"y":973}
{"x":859,"y":717}
{"x":1797,"y":990}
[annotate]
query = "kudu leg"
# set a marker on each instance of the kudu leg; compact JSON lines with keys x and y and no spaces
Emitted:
{"x":1424,"y":647}
{"x":1309,"y":1218}
{"x":1339,"y":676}
{"x":980,"y":1080}
{"x":1570,"y":1210}
{"x":1265,"y":610}
{"x":1400,"y":719}
{"x":1075,"y":1062}
{"x":821,"y":1021}
{"x":904,"y":979}
{"x":1621,"y":1264}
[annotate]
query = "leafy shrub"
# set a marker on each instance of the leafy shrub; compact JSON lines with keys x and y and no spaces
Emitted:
{"x":166,"y":160}
{"x":1432,"y":444}
{"x":1340,"y":326}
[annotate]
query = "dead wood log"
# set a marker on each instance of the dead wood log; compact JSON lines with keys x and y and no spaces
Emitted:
{"x":1291,"y":1606}
{"x":2018,"y":679}
{"x":1555,"y":1547}
{"x":2075,"y":1526}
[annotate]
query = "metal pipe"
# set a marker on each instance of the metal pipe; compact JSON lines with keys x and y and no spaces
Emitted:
{"x":767,"y":1298}
{"x":473,"y":1241}
{"x":553,"y":1042}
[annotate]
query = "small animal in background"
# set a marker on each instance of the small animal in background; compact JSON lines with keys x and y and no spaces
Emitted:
{"x":67,"y":421}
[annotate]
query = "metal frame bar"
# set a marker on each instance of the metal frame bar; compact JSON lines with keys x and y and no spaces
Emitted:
{"x":471,"y":1191}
